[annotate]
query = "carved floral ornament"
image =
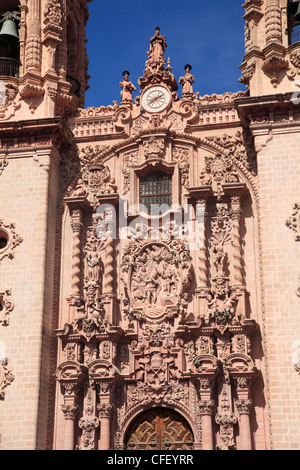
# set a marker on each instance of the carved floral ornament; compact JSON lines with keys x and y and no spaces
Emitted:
{"x":9,"y":240}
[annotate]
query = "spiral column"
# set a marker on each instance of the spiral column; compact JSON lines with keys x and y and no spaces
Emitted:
{"x":201,"y":216}
{"x":237,"y":248}
{"x":108,"y":287}
{"x":76,"y":224}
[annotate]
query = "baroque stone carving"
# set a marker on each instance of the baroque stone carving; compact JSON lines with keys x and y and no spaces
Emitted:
{"x":13,"y":239}
{"x":97,"y":178}
{"x":32,"y":94}
{"x":154,"y":147}
{"x":6,"y":306}
{"x":155,"y":277}
{"x":9,"y":102}
{"x":6,"y":378}
{"x":3,"y":163}
{"x":293,"y":222}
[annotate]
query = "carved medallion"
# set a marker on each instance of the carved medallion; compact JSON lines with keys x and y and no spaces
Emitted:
{"x":158,"y":275}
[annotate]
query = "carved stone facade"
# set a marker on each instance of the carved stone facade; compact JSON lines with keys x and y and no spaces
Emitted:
{"x":166,"y":321}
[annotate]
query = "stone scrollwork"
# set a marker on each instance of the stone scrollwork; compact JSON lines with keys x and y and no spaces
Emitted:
{"x":6,"y":306}
{"x":6,"y":378}
{"x":3,"y":163}
{"x":293,"y":222}
{"x":9,"y":240}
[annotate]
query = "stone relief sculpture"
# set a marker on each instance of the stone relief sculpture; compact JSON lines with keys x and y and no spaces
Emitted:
{"x":157,"y":278}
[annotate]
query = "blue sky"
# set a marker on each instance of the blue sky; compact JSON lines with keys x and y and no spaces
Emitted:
{"x":207,"y":35}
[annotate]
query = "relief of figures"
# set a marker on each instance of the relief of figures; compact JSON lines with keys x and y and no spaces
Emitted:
{"x":154,"y":280}
{"x":156,"y":276}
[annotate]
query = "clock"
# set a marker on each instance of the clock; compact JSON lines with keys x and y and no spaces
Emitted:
{"x":156,"y":99}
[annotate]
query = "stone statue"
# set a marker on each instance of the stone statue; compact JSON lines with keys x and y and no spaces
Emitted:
{"x":158,"y":44}
{"x":127,"y":88}
{"x":93,"y":265}
{"x":187,"y":82}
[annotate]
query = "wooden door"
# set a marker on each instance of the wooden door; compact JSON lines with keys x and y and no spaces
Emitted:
{"x":160,"y":429}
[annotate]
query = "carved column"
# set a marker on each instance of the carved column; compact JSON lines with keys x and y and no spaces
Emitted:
{"x":201,"y":216}
{"x":78,"y":206}
{"x":200,"y":195}
{"x":107,"y":205}
{"x":237,"y":247}
{"x":76,"y":224}
{"x":70,"y":375}
{"x":70,"y":412}
{"x":105,"y":409}
{"x":244,"y":409}
{"x":33,"y":43}
{"x":206,"y":368}
{"x":108,"y":287}
{"x":244,"y":406}
{"x":207,"y":408}
{"x":273,"y":22}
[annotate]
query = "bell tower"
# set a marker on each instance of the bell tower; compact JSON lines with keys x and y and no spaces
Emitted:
{"x":43,"y":79}
{"x":271,"y":113}
{"x":43,"y":56}
{"x":272,"y":35}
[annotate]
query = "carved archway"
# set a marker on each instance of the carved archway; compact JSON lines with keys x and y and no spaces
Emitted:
{"x":159,"y":429}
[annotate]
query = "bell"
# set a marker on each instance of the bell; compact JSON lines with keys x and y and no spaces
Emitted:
{"x":9,"y":33}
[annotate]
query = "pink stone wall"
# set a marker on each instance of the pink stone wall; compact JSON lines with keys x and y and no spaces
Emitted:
{"x":28,"y":199}
{"x":279,"y":178}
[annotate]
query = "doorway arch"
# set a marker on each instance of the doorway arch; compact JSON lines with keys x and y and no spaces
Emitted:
{"x":159,"y":429}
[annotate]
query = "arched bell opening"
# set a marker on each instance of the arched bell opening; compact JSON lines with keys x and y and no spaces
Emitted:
{"x":159,"y":429}
{"x":10,"y":17}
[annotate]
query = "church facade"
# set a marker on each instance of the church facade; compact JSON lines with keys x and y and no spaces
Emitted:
{"x":149,"y":250}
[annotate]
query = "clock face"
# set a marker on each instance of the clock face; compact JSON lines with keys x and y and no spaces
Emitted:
{"x":156,"y":99}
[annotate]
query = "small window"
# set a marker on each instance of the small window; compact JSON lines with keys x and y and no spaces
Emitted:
{"x":156,"y":192}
